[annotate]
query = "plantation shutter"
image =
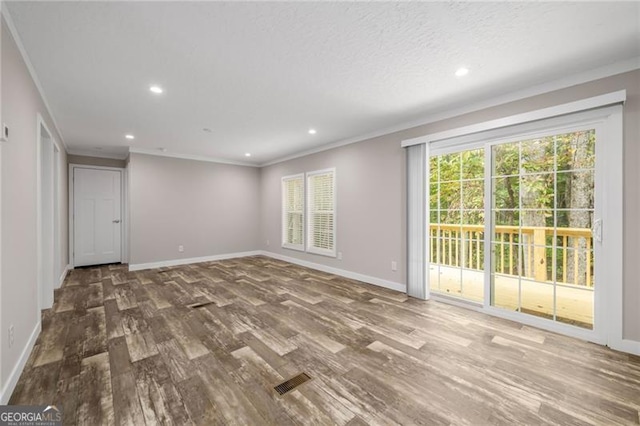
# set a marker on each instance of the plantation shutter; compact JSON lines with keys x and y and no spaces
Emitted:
{"x":321,"y":226}
{"x":293,"y":212}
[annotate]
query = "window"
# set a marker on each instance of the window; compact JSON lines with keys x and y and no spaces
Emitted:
{"x":293,"y":212}
{"x":321,"y":226}
{"x":320,"y":219}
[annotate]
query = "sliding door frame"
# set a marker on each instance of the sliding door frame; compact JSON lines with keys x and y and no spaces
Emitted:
{"x":603,"y":159}
{"x":604,"y":113}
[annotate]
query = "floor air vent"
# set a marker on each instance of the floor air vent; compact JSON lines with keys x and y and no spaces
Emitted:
{"x":292,"y":383}
{"x":200,"y":305}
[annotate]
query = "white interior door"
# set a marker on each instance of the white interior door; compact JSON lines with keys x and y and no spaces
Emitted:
{"x":97,"y":216}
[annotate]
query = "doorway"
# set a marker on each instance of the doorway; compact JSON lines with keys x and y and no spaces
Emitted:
{"x":97,"y":225}
{"x":48,"y":225}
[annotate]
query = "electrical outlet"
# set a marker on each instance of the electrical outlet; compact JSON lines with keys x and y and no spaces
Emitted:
{"x":339,"y":255}
{"x":180,"y":248}
{"x":394,"y":265}
{"x":11,"y":335}
{"x":267,"y":243}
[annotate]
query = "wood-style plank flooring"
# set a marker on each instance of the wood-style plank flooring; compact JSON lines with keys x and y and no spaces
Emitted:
{"x":123,"y":347}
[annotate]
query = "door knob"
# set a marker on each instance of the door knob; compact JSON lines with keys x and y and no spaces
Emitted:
{"x":116,"y":221}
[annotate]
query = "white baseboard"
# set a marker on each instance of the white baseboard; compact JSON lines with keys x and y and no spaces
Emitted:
{"x":63,"y":275}
{"x":343,"y":273}
{"x":626,"y":345}
{"x":12,"y":380}
{"x":347,"y":274}
{"x":187,"y":261}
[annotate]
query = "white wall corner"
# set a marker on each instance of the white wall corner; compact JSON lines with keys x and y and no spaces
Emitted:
{"x":341,"y":272}
{"x":12,"y":380}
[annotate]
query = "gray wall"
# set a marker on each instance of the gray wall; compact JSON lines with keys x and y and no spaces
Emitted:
{"x":371,"y":189}
{"x":209,"y":208}
{"x":96,"y":161}
{"x":21,"y":102}
{"x":370,"y":205}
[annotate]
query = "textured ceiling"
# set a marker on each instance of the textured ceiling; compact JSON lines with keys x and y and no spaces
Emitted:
{"x":259,"y":75}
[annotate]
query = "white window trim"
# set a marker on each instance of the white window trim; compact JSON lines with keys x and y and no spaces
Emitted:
{"x":285,"y":244}
{"x":310,"y":248}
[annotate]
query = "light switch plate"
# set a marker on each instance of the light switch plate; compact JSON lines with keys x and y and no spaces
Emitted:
{"x":5,"y":133}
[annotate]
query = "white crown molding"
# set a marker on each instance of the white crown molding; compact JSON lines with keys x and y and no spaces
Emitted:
{"x":562,"y":83}
{"x":189,"y":157}
{"x":98,"y":154}
{"x":25,"y":57}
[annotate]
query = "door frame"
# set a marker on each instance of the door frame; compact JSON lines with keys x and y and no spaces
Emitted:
{"x":124,"y":208}
{"x":55,"y":227}
{"x":58,"y":269}
{"x":608,"y":110}
{"x":607,"y":327}
{"x":608,"y":157}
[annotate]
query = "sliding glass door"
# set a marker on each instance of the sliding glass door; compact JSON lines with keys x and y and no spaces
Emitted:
{"x":456,"y":228}
{"x":528,"y":204}
{"x":542,"y":208}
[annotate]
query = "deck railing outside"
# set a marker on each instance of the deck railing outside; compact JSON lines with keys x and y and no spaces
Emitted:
{"x":526,"y":251}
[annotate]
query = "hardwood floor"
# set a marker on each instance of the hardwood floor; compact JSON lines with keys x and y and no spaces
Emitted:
{"x":123,"y":347}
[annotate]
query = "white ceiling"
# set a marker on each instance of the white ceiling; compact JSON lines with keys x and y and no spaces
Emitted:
{"x":261,"y":74}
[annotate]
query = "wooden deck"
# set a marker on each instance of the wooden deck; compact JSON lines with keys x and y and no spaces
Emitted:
{"x":574,"y":303}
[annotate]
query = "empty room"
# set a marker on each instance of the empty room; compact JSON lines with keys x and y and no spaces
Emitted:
{"x":328,"y":213}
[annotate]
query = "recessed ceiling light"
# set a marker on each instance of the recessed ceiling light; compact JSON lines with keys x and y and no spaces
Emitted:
{"x":247,"y":154}
{"x":129,"y":137}
{"x":312,"y":131}
{"x":461,"y":72}
{"x":156,"y":89}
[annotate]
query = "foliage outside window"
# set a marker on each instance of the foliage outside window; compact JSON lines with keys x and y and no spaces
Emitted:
{"x":545,"y":183}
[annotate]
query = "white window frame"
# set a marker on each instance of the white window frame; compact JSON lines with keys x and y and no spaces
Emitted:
{"x":285,"y":243}
{"x":309,"y":215}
